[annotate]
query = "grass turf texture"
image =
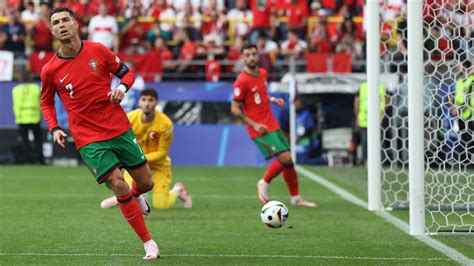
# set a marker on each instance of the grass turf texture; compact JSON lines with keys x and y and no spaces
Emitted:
{"x":51,"y":215}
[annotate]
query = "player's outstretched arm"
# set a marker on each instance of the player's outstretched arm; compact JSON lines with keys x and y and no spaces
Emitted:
{"x":236,"y":109}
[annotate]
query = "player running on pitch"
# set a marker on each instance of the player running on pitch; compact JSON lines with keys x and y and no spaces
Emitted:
{"x":251,"y":103}
{"x":80,"y":74}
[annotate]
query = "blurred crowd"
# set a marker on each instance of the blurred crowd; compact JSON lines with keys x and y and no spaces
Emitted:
{"x":181,"y":31}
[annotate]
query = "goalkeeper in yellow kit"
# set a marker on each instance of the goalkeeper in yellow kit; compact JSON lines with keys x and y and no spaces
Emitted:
{"x":154,"y":133}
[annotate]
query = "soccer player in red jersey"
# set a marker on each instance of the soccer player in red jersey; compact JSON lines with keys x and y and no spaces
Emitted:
{"x":80,"y":74}
{"x":252,"y":104}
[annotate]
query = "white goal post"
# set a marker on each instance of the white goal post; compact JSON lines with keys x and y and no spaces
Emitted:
{"x":426,"y":164}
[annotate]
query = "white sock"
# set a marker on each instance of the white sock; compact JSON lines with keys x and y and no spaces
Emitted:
{"x":263,"y":183}
{"x":149,"y":243}
{"x":295,"y":199}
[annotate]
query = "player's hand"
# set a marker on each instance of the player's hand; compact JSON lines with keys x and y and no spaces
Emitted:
{"x":260,"y":128}
{"x":59,"y":137}
{"x":278,"y":101}
{"x":116,"y":95}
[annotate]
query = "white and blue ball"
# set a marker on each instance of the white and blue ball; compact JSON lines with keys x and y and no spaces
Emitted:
{"x":274,"y":214}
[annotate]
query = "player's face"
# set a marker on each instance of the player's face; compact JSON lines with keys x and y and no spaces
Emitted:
{"x":63,"y":26}
{"x":250,"y":57}
{"x":147,"y":104}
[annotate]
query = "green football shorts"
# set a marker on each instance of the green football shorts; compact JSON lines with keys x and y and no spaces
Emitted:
{"x":104,"y":156}
{"x":272,"y":143}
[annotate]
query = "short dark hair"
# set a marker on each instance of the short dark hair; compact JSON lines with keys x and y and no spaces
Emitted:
{"x":149,"y":92}
{"x":248,"y":46}
{"x":61,"y":9}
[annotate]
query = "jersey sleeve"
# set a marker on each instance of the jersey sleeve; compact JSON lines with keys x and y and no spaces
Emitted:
{"x":47,"y":100}
{"x":115,"y":66}
{"x":166,"y":137}
{"x":239,"y":90}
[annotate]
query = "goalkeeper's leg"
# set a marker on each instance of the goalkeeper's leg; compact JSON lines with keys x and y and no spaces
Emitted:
{"x":163,"y":198}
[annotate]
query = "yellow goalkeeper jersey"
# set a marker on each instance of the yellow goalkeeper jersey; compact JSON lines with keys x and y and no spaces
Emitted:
{"x":154,"y":137}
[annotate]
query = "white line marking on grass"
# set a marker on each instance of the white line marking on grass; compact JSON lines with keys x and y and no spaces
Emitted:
{"x":448,"y":251}
{"x":223,"y":256}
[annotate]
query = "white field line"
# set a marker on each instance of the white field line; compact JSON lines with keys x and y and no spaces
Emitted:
{"x":223,"y":256}
{"x":448,"y":251}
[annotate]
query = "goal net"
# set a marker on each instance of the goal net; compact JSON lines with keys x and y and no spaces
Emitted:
{"x":448,"y":127}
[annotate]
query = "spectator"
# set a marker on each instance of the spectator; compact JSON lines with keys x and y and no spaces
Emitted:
{"x":13,"y":34}
{"x":132,"y":7}
{"x":268,"y":51}
{"x":212,"y":48}
{"x":167,"y":22}
{"x":319,"y":40}
{"x":78,"y":6}
{"x":180,"y":5}
{"x":152,"y":34}
{"x":214,"y":4}
{"x":297,"y":13}
{"x":190,"y":19}
{"x":330,"y":7}
{"x":349,"y":41}
{"x":392,"y":9}
{"x":234,"y":55}
{"x":262,"y":15}
{"x":165,"y":54}
{"x":214,"y":22}
{"x":240,"y":17}
{"x":156,"y":8}
{"x":29,"y":14}
{"x":293,"y":45}
{"x":26,"y":107}
{"x":103,"y":28}
{"x":135,"y":48}
{"x":42,"y":37}
{"x":132,"y":30}
{"x":93,"y":7}
{"x":187,"y":50}
{"x":3,"y":8}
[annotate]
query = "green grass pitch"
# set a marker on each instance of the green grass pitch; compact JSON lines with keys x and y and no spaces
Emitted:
{"x":51,"y":215}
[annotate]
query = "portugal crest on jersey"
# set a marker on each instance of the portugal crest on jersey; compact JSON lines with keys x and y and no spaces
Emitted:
{"x":93,"y":64}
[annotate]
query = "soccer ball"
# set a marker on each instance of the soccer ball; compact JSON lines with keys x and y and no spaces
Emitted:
{"x":274,"y":214}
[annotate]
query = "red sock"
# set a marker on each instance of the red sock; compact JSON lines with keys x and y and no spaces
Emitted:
{"x":291,"y":179}
{"x":134,"y":189}
{"x":132,"y":213}
{"x":272,"y":171}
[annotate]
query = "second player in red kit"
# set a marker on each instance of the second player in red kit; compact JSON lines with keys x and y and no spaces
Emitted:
{"x":251,"y":103}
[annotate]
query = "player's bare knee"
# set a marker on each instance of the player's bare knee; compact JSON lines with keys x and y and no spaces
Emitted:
{"x":117,"y":183}
{"x":150,"y":184}
{"x":285,"y":159}
{"x":146,"y":185}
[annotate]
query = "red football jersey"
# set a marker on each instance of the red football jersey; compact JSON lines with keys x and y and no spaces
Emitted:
{"x":252,"y":91}
{"x":82,"y":83}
